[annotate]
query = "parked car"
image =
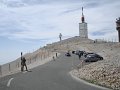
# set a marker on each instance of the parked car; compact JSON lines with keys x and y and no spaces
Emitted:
{"x":96,"y":55}
{"x":93,"y":58}
{"x":78,"y":52}
{"x":67,"y":54}
{"x":87,"y":53}
{"x":73,"y":52}
{"x":90,"y":59}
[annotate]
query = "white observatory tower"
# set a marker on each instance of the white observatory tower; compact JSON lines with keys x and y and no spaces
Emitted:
{"x":83,"y":32}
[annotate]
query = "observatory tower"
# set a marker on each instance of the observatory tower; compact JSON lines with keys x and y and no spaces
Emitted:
{"x":83,"y":32}
{"x":118,"y":28}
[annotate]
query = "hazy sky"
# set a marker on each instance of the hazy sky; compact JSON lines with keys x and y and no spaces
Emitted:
{"x":26,"y":25}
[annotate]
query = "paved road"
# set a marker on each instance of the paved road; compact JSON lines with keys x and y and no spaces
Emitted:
{"x":53,"y":75}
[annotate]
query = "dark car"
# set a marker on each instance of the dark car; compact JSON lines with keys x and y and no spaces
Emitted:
{"x":93,"y":58}
{"x":78,"y":52}
{"x":67,"y":54}
{"x":87,"y":53}
{"x":90,"y":59}
{"x":95,"y":55}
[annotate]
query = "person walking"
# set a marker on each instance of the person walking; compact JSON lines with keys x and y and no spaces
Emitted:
{"x":23,"y":63}
{"x":56,"y":55}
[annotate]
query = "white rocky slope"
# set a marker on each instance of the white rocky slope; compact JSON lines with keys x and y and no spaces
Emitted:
{"x":105,"y":72}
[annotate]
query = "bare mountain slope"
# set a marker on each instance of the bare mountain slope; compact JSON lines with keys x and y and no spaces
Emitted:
{"x":105,"y":72}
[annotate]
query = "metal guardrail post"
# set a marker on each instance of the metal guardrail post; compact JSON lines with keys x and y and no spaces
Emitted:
{"x":35,"y":58}
{"x":0,"y":70}
{"x":44,"y":55}
{"x":18,"y":64}
{"x":9,"y":68}
{"x":47,"y":54}
{"x":41,"y":56}
{"x":30,"y":61}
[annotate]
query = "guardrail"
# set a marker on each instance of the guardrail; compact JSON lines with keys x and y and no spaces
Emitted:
{"x":15,"y":66}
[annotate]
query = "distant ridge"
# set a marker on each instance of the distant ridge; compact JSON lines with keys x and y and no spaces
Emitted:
{"x":68,"y":44}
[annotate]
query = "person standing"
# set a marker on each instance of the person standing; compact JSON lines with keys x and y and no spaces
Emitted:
{"x":79,"y":55}
{"x":23,"y":63}
{"x":60,"y":36}
{"x":56,"y":55}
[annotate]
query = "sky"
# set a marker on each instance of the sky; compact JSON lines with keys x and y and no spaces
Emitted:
{"x":27,"y":25}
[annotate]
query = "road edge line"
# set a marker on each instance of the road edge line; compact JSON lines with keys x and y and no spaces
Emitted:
{"x":85,"y":82}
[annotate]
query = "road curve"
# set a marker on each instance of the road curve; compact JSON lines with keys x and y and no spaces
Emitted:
{"x":53,"y":75}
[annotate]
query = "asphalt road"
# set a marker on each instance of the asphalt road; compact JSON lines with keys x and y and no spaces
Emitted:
{"x":53,"y":75}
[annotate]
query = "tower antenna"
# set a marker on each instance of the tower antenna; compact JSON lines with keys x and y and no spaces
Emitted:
{"x":82,"y":11}
{"x":82,"y":18}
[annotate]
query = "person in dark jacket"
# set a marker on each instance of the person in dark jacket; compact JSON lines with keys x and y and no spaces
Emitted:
{"x":23,"y":63}
{"x":79,"y":55}
{"x":56,"y":55}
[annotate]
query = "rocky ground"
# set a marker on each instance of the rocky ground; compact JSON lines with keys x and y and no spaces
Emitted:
{"x":106,"y":72}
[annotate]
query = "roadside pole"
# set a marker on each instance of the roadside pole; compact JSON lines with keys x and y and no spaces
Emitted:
{"x":9,"y":68}
{"x":21,"y":62}
{"x":21,"y":55}
{"x":0,"y":70}
{"x":72,"y":62}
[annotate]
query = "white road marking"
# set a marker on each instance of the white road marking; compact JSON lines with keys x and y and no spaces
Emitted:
{"x":24,"y":72}
{"x":8,"y":84}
